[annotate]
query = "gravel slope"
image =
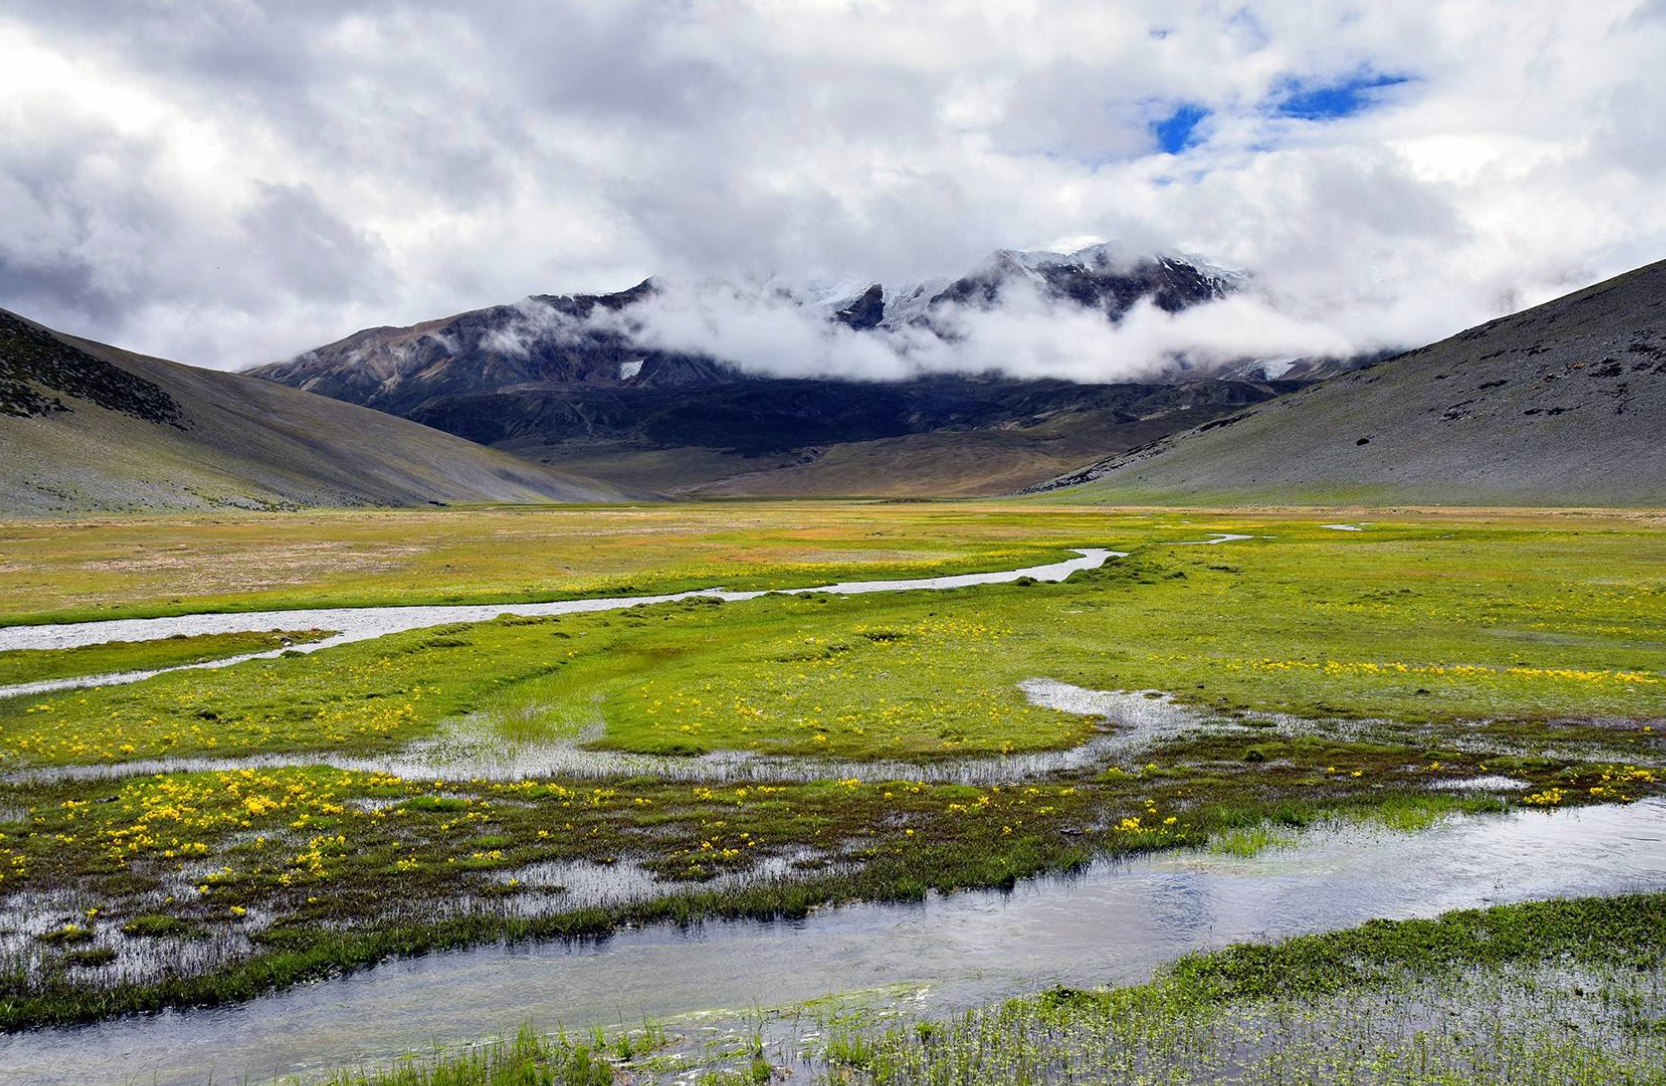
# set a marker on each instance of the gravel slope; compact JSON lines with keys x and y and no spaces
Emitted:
{"x":1562,"y":404}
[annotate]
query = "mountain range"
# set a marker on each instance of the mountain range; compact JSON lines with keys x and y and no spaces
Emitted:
{"x":563,"y":380}
{"x":1561,"y":404}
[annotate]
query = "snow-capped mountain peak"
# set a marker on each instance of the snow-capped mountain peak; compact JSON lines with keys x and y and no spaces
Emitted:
{"x":1102,"y":275}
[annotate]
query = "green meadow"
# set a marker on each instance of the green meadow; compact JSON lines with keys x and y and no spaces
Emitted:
{"x":276,"y":815}
{"x":21,"y":666}
{"x":134,"y":566}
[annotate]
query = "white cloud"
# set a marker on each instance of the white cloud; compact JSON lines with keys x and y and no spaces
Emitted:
{"x":232,"y":183}
{"x":1027,"y":335}
{"x":534,"y":321}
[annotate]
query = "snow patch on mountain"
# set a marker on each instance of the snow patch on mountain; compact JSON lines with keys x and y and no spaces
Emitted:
{"x":911,"y":300}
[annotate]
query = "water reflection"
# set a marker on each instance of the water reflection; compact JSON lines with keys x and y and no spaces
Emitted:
{"x":1110,"y":924}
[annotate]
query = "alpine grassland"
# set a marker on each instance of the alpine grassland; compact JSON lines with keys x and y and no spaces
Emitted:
{"x":209,"y":834}
{"x":138,"y":565}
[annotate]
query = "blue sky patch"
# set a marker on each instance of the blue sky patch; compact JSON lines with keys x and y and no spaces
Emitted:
{"x":1327,"y":101}
{"x":1174,"y":132}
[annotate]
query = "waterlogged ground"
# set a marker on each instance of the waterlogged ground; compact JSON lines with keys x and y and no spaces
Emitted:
{"x":1563,"y":992}
{"x":1111,"y":923}
{"x":208,"y":835}
{"x":1545,"y":993}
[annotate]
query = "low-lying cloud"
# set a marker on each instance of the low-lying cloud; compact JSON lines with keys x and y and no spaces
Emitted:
{"x":534,"y":322}
{"x":1028,"y":334}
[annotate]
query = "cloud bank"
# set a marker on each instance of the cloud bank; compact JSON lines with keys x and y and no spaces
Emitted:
{"x":1028,"y":334}
{"x":233,"y":181}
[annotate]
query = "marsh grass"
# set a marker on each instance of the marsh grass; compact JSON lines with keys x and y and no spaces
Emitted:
{"x":1245,"y":842}
{"x":1281,"y":826}
{"x":526,"y":1059}
{"x":1564,"y":993}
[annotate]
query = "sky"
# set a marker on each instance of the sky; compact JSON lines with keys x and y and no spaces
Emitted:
{"x":229,"y":182}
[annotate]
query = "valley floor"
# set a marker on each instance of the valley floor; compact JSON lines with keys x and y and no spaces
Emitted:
{"x":206,"y":836}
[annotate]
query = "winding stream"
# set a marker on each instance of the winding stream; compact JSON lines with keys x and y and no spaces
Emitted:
{"x":1112,"y":924}
{"x":365,"y":623}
